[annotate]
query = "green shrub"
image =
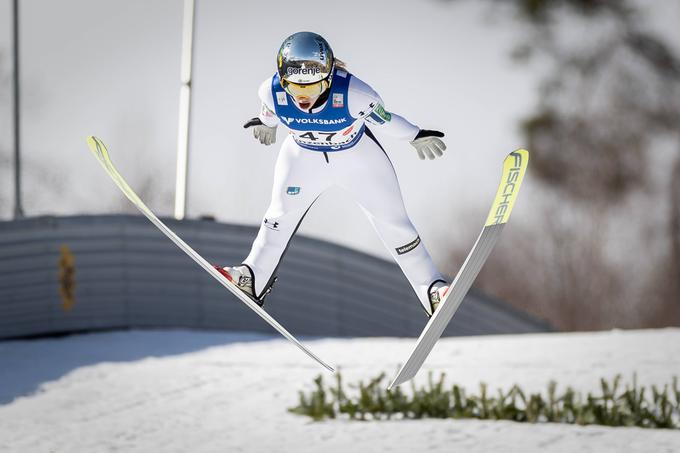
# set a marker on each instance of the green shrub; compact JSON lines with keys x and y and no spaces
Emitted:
{"x":615,"y":405}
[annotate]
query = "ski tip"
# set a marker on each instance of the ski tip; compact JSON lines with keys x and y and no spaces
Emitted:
{"x":92,"y":140}
{"x":98,"y":148}
{"x":514,"y":168}
{"x":95,"y":144}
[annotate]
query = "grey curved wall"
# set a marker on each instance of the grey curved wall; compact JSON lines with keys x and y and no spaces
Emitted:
{"x":126,"y":274}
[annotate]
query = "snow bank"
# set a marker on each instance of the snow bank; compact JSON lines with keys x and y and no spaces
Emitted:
{"x":207,"y":392}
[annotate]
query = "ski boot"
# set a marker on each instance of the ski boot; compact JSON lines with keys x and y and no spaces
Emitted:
{"x":437,"y":294}
{"x":242,"y":277}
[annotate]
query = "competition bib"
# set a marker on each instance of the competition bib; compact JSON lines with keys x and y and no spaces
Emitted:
{"x":331,"y":129}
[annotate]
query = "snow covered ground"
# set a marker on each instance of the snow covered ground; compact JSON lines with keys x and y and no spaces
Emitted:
{"x":179,"y":391}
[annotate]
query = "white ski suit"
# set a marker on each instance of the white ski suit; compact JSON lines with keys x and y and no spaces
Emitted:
{"x":331,"y":146}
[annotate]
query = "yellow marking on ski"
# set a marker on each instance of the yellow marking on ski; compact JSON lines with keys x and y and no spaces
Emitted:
{"x":514,"y":167}
{"x":102,"y":154}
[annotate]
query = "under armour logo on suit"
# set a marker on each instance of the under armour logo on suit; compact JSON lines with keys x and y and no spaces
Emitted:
{"x":272,"y":225}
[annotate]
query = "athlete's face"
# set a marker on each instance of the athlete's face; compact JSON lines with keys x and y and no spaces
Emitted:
{"x":305,"y":102}
{"x":305,"y":95}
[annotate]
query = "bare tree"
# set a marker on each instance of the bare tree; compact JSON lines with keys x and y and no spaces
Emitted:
{"x":605,"y":105}
{"x":603,"y":109}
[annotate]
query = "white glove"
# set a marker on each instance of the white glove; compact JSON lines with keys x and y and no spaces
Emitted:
{"x":265,"y":134}
{"x":428,"y":144}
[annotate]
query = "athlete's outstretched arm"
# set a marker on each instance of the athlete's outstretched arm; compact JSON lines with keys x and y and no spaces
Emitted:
{"x":365,"y":103}
{"x":264,"y":125}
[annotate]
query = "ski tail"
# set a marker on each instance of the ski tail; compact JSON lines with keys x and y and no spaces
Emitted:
{"x":514,"y":168}
{"x":102,"y":155}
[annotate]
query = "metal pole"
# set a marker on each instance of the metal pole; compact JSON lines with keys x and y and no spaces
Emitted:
{"x":184,"y":111}
{"x":18,"y":210}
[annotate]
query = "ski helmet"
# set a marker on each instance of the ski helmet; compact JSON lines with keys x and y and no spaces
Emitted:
{"x":305,"y":64}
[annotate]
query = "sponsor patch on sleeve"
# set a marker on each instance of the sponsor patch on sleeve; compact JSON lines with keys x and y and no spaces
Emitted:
{"x":408,"y":247}
{"x":375,"y":119}
{"x":266,"y":112}
{"x":380,"y":114}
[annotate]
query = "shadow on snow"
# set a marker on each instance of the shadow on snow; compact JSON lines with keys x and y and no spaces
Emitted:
{"x":27,"y":364}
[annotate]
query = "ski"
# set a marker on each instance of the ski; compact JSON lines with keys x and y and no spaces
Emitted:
{"x":102,"y":155}
{"x":514,"y":167}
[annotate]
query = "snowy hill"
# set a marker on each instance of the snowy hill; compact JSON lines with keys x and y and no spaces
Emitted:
{"x":208,"y":392}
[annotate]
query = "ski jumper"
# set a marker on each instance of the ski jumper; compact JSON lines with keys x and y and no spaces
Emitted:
{"x":332,"y":146}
